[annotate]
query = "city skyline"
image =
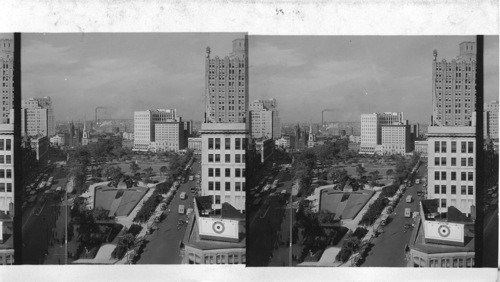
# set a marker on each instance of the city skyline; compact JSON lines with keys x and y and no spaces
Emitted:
{"x":127,"y":72}
{"x":365,"y":71}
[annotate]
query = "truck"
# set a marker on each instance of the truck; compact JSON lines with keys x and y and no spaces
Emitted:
{"x":409,"y":199}
{"x":191,"y":178}
{"x":183,"y":196}
{"x":408,"y":212}
{"x":181,"y":209}
{"x":417,"y":181}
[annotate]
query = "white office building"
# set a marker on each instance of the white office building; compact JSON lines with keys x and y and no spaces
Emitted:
{"x":37,"y":117}
{"x":452,"y":167}
{"x":7,"y":168}
{"x":265,"y":121}
{"x":371,"y":129}
{"x":223,"y":163}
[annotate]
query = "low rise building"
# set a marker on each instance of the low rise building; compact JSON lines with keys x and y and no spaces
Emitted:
{"x":58,"y":140}
{"x":441,"y":239}
{"x":6,"y":239}
{"x":214,"y":236}
{"x":421,"y":147}
{"x":284,"y":142}
{"x":194,"y":143}
{"x":396,"y":139}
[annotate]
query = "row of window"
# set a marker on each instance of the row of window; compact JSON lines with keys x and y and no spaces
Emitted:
{"x":466,"y":147}
{"x":215,"y":143}
{"x":5,"y":144}
{"x":5,"y":185}
{"x":216,"y":172}
{"x":464,"y":190}
{"x":464,"y":176}
{"x":216,"y":186}
{"x":217,"y":259}
{"x":5,"y":173}
{"x":464,"y":161}
{"x":444,"y":262}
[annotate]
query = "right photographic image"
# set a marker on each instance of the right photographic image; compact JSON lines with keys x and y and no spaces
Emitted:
{"x":373,"y":151}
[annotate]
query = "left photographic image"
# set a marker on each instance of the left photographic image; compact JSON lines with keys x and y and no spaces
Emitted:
{"x":119,"y":163}
{"x":7,"y":52}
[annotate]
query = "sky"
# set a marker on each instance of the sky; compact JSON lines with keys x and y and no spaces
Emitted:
{"x":355,"y":74}
{"x":125,"y":72}
{"x":132,"y":71}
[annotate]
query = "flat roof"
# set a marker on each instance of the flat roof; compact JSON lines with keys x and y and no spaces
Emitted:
{"x":344,"y":204}
{"x":192,"y":238}
{"x":417,"y":242}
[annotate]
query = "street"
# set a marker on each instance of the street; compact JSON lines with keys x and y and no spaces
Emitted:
{"x":266,"y":226}
{"x":389,"y":247}
{"x":163,"y":245}
{"x":39,"y":221}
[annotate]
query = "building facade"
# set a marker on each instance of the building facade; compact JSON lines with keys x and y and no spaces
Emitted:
{"x":194,"y":143}
{"x":7,"y":168}
{"x":41,"y":147}
{"x":421,"y":147}
{"x":226,"y":85}
{"x":396,"y":139}
{"x":158,"y":130}
{"x":223,"y":163}
{"x":265,"y":148}
{"x":371,"y":129}
{"x":265,"y":121}
{"x":453,"y":88}
{"x":58,"y":140}
{"x":37,"y":117}
{"x":491,"y":120}
{"x":7,"y":63}
{"x":452,"y":167}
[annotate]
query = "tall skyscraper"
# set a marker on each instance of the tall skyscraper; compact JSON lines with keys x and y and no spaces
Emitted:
{"x":37,"y":117}
{"x":226,"y":85}
{"x":453,"y":88}
{"x":225,"y":133}
{"x":7,"y":58}
{"x":491,"y":119}
{"x":371,"y":129}
{"x":264,"y":119}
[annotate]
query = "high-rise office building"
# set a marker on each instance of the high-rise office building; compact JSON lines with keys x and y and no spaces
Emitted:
{"x":158,"y":130}
{"x":264,"y":119}
{"x":37,"y":117}
{"x":7,"y":63}
{"x":490,"y":118}
{"x":453,"y":88}
{"x":226,"y":85}
{"x":371,"y":129}
{"x":7,"y":168}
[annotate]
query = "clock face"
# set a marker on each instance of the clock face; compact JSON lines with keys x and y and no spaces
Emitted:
{"x":218,"y":227}
{"x":444,"y":231}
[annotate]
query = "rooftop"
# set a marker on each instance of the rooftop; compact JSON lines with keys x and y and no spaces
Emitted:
{"x":118,"y":201}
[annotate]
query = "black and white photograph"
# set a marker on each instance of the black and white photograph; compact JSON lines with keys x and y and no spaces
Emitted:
{"x":122,"y":155}
{"x":249,"y":141}
{"x":373,"y":155}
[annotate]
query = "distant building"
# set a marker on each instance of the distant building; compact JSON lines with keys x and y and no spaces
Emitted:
{"x":371,"y":129}
{"x":491,"y":120}
{"x":58,"y":140}
{"x":7,"y":168}
{"x":40,"y":145}
{"x":194,"y":143}
{"x":37,"y":117}
{"x":214,"y":236}
{"x":442,"y":240}
{"x":128,"y":135}
{"x":158,"y":130}
{"x":453,"y":88}
{"x":264,"y":118}
{"x":452,"y":167}
{"x":421,"y":147}
{"x":354,"y":139}
{"x":226,"y":85}
{"x":284,"y":142}
{"x":223,"y":163}
{"x":7,"y":68}
{"x":396,"y":139}
{"x":353,"y":146}
{"x":265,"y":148}
{"x":311,"y":142}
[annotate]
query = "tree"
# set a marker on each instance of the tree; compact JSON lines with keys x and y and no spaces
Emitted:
{"x":163,"y":170}
{"x":149,"y":172}
{"x":360,"y":170}
{"x":134,"y":167}
{"x":389,"y":173}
